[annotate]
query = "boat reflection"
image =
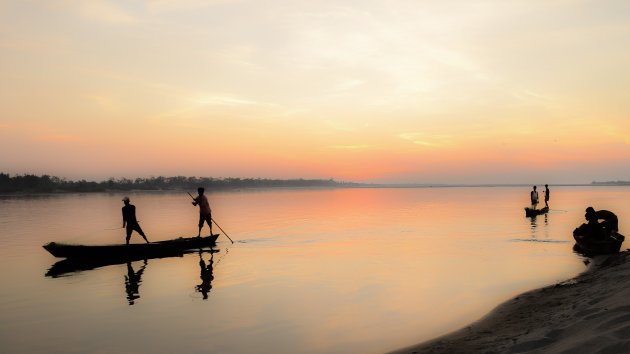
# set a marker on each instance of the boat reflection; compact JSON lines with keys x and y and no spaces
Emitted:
{"x":133,"y":277}
{"x":69,"y":267}
{"x":534,"y":226}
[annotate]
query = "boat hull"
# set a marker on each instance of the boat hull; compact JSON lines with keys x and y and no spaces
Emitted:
{"x":591,"y":245}
{"x":533,"y":212}
{"x":131,"y":251}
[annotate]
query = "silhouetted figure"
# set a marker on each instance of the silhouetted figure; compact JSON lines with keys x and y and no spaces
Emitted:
{"x":205,"y":214}
{"x":591,"y":228}
{"x":610,"y":223}
{"x":206,"y":276}
{"x":130,"y":221}
{"x":546,"y":195}
{"x":132,"y":282}
{"x":533,"y":196}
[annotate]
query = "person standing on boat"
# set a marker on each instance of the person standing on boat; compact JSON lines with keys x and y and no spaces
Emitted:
{"x":205,"y":214}
{"x":130,"y":221}
{"x":533,"y":195}
{"x":546,"y":195}
{"x":610,"y":222}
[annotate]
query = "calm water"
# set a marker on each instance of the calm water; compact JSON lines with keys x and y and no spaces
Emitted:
{"x":311,"y":271}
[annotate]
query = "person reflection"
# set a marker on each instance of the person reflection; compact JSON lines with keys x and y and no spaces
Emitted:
{"x":533,"y":225}
{"x":205,"y":275}
{"x":132,"y":282}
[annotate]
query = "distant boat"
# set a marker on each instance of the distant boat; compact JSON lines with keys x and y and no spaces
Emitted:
{"x":593,"y":245}
{"x":533,"y":212}
{"x":134,"y":251}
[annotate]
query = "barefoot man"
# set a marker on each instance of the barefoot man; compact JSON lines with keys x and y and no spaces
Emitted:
{"x":205,"y":214}
{"x":130,"y":221}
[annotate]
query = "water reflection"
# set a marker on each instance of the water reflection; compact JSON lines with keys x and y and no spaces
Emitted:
{"x":534,"y":227}
{"x":133,"y":277}
{"x":68,"y":267}
{"x":132,"y":282}
{"x":205,"y":275}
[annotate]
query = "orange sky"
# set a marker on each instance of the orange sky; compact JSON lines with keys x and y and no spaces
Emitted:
{"x":378,"y":91}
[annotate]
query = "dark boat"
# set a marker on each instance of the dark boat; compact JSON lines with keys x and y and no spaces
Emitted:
{"x":593,"y":245}
{"x":533,"y":212}
{"x":130,"y":252}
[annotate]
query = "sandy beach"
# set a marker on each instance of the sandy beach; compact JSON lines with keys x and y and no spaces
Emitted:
{"x":587,"y":314}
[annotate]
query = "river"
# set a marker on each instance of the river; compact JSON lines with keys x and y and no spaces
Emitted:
{"x":357,"y":270}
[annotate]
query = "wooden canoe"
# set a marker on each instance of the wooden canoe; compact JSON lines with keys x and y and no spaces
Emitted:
{"x":131,"y":251}
{"x":592,"y":245}
{"x":533,"y":212}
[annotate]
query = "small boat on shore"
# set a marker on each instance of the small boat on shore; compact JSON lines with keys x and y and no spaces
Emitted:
{"x":529,"y":212}
{"x":593,"y":245}
{"x":132,"y":251}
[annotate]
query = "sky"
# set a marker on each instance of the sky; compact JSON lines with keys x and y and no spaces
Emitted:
{"x":358,"y":90}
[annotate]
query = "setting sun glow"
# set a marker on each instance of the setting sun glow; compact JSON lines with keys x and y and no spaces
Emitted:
{"x":378,"y":91}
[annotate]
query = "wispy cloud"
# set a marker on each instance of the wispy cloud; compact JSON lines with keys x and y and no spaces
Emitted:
{"x":102,"y":11}
{"x":58,"y":138}
{"x":164,"y":5}
{"x":103,"y":101}
{"x":531,"y":98}
{"x":339,"y":125}
{"x":351,"y":147}
{"x":427,"y":139}
{"x":347,"y":85}
{"x":213,"y":100}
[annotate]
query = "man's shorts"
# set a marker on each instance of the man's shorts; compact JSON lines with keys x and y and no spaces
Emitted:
{"x":207,"y":218}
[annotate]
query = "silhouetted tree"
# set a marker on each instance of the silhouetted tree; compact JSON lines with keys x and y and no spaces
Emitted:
{"x":46,"y":184}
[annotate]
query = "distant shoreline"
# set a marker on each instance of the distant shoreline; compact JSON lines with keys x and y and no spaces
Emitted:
{"x":45,"y":184}
{"x":32,"y":184}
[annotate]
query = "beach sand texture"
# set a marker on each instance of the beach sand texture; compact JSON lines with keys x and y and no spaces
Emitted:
{"x":587,"y":314}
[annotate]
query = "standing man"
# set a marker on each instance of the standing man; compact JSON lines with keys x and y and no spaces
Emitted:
{"x":130,"y":221}
{"x":547,"y":195}
{"x":533,"y":195}
{"x":205,"y":214}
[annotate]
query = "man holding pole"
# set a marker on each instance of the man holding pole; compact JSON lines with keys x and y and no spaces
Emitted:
{"x":205,"y":214}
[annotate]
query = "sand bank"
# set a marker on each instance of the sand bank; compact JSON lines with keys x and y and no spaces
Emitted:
{"x":587,"y":314}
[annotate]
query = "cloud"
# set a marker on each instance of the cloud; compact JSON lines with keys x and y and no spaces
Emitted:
{"x":104,"y":102}
{"x":347,"y":85}
{"x":427,"y":140}
{"x":170,"y":5}
{"x":102,"y":11}
{"x":351,"y":147}
{"x":58,"y":138}
{"x":339,"y":125}
{"x":529,"y":97}
{"x":224,"y":101}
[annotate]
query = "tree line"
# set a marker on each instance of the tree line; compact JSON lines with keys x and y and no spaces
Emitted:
{"x":611,"y":183}
{"x":29,"y":183}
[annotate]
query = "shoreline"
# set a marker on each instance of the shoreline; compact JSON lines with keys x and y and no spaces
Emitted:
{"x":589,"y":313}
